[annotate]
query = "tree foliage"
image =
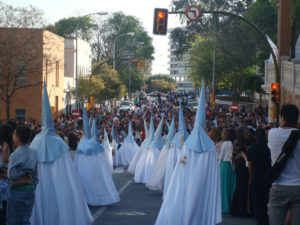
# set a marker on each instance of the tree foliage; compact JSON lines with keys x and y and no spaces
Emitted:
{"x":21,"y":17}
{"x":104,"y":84}
{"x":67,"y":27}
{"x":161,"y":83}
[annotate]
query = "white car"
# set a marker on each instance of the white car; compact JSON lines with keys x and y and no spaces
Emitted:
{"x":127,"y":106}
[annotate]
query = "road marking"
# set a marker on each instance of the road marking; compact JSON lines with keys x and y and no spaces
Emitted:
{"x":102,"y":210}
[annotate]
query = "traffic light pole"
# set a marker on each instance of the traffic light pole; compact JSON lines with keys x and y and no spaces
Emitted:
{"x":260,"y":32}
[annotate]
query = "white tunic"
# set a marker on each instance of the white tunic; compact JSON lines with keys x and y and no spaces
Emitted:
{"x":96,"y":179}
{"x":194,"y":194}
{"x":59,"y":197}
{"x":126,"y":153}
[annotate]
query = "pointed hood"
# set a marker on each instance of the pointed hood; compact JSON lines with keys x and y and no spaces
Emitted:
{"x":47,"y":144}
{"x":95,"y":136}
{"x":87,"y":145}
{"x":171,"y":133}
{"x":129,"y":138}
{"x":146,"y":129}
{"x":47,"y":120}
{"x":158,"y":142}
{"x":151,"y":134}
{"x":168,"y":125}
{"x":106,"y":140}
{"x":113,"y":133}
{"x":198,"y":140}
{"x":181,"y":129}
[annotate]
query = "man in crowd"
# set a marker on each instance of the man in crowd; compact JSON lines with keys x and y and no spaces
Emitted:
{"x":285,"y":191}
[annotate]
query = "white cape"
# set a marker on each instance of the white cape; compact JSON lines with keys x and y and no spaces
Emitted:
{"x":59,"y":197}
{"x":157,"y":178}
{"x":96,"y":179}
{"x":136,"y":158}
{"x":174,"y":153}
{"x":109,"y":155}
{"x":194,"y":193}
{"x":126,"y":153}
{"x":152,"y":156}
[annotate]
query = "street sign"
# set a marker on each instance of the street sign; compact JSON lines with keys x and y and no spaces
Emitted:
{"x":234,"y":107}
{"x":75,"y":113}
{"x":193,"y":12}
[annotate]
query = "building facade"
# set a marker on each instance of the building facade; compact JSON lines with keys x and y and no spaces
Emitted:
{"x":27,"y":58}
{"x":179,"y":67}
{"x":84,"y":67}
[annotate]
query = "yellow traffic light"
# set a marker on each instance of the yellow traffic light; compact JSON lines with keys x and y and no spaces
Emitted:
{"x":160,"y":21}
{"x":275,"y":92}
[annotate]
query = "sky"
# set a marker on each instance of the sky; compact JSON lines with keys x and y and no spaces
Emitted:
{"x":143,"y":9}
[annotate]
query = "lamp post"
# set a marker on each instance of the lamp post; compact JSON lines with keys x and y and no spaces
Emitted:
{"x":114,"y":47}
{"x":76,"y":66}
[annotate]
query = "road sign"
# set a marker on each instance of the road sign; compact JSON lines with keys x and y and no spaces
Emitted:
{"x":234,"y":107}
{"x":193,"y":12}
{"x":75,"y":113}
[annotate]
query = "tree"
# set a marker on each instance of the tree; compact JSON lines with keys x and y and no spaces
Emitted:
{"x":21,"y":17}
{"x":116,"y":25}
{"x":104,"y":84}
{"x":161,"y":83}
{"x":67,"y":27}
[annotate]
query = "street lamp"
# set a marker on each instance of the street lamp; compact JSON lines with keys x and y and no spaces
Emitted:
{"x":114,"y":47}
{"x":76,"y":66}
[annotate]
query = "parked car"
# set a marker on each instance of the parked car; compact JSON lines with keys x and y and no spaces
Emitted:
{"x":193,"y":105}
{"x":127,"y":106}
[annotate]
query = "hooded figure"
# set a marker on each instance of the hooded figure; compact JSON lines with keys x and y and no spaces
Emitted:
{"x":157,"y":178}
{"x":175,"y":147}
{"x":58,"y":196}
{"x":127,"y":150}
{"x":152,"y":155}
{"x":139,"y":153}
{"x":114,"y":144}
{"x":108,"y":149}
{"x":140,"y":167}
{"x":195,"y":184}
{"x":92,"y":168}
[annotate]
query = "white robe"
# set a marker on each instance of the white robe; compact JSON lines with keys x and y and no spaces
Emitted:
{"x":194,"y":193}
{"x":136,"y":158}
{"x":109,"y":155}
{"x":96,"y":179}
{"x":59,"y":196}
{"x":152,"y":156}
{"x":174,"y":153}
{"x":140,"y":167}
{"x":126,"y":153}
{"x":157,"y":178}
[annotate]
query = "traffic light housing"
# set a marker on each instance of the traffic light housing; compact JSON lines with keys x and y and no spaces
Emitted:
{"x":160,"y":21}
{"x":141,"y":64}
{"x":275,"y":92}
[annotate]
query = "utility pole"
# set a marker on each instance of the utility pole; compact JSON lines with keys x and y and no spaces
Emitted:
{"x":129,"y":70}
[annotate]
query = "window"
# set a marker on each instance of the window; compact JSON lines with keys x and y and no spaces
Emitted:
{"x":20,"y":114}
{"x":21,"y":74}
{"x":57,"y":75}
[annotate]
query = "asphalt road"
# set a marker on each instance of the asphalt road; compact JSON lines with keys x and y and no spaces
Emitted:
{"x":139,"y":206}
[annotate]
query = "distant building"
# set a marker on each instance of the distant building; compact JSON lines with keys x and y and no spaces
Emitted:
{"x":84,"y":67}
{"x":29,"y":57}
{"x":179,"y":67}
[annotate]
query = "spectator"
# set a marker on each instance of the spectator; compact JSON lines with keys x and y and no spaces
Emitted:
{"x":228,"y":178}
{"x":259,"y":162}
{"x":285,"y":191}
{"x":22,"y":174}
{"x":239,"y":204}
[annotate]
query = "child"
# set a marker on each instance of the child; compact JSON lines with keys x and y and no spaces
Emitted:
{"x":22,"y":175}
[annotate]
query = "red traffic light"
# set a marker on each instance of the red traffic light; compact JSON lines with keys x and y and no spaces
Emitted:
{"x":275,"y":86}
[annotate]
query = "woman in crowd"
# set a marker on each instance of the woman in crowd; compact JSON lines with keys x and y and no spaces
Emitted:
{"x":239,"y":204}
{"x":228,"y":178}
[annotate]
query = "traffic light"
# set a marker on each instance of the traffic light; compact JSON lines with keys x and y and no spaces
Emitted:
{"x":141,"y":64}
{"x":275,"y":92}
{"x":160,"y":21}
